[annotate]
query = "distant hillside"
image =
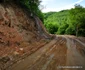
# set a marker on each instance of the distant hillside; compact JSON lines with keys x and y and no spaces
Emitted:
{"x":71,"y":22}
{"x":56,"y":16}
{"x":57,"y":19}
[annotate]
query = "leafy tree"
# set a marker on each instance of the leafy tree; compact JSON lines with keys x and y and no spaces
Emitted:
{"x":58,"y":18}
{"x":77,"y":18}
{"x":33,"y":7}
{"x":62,"y":28}
{"x":52,"y":28}
{"x":70,"y":30}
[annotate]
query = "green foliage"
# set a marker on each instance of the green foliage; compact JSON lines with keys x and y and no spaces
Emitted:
{"x":52,"y":28}
{"x":66,"y":21}
{"x":57,"y":18}
{"x":70,"y":30}
{"x":46,"y":15}
{"x":33,"y":7}
{"x":77,"y":19}
{"x":62,"y":28}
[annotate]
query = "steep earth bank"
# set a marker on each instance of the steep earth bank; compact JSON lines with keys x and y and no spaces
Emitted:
{"x":19,"y":34}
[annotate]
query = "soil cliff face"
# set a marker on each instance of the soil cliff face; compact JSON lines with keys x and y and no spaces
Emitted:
{"x":15,"y":27}
{"x":18,"y":32}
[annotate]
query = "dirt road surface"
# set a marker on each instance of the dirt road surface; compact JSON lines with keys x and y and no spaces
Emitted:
{"x":63,"y":53}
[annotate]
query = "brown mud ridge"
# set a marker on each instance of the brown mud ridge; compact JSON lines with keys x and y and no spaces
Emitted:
{"x":25,"y":44}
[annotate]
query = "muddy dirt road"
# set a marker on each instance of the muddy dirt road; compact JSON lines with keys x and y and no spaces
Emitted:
{"x":62,"y":53}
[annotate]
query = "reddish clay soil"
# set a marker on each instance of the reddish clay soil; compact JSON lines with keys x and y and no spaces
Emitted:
{"x":19,"y":36}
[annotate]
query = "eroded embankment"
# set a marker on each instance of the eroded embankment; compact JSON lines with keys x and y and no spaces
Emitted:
{"x":19,"y":35}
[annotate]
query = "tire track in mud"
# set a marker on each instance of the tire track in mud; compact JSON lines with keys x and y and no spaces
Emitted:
{"x":44,"y":61}
{"x":42,"y":58}
{"x":74,"y":58}
{"x":58,"y":52}
{"x":31,"y":59}
{"x":83,"y":44}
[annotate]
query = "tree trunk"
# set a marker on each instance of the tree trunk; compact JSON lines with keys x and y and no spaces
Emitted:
{"x":77,"y":31}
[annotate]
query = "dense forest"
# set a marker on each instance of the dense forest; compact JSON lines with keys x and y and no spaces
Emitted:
{"x":71,"y":22}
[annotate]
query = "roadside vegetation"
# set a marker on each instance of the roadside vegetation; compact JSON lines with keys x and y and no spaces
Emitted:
{"x":33,"y":7}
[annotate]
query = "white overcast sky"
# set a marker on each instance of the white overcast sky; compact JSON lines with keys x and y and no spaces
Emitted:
{"x":58,"y":5}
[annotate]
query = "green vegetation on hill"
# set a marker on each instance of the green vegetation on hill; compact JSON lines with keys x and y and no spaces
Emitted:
{"x":33,"y":7}
{"x":56,"y":19}
{"x":70,"y":22}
